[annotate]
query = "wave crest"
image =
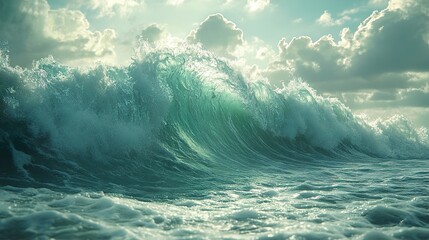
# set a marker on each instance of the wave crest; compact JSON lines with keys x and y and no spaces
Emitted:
{"x":176,"y":111}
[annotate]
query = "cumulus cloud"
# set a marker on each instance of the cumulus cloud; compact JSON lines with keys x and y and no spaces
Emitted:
{"x":387,"y":51}
{"x":253,"y":54}
{"x":224,"y":38}
{"x":218,"y":35}
{"x":326,"y":19}
{"x":257,"y":5}
{"x":321,"y":59}
{"x":392,"y":41}
{"x":381,"y":67}
{"x":151,"y":34}
{"x":33,"y":30}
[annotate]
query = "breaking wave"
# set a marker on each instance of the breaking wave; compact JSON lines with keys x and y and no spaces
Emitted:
{"x":170,"y":117}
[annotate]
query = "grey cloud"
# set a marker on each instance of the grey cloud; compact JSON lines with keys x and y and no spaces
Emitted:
{"x":383,"y":96}
{"x":33,"y":30}
{"x":388,"y":82}
{"x":415,"y":98}
{"x":278,"y":75}
{"x":382,"y":66}
{"x":392,"y":42}
{"x":379,"y":55}
{"x":412,"y":97}
{"x":320,"y":60}
{"x":217,"y":34}
{"x":152,"y":33}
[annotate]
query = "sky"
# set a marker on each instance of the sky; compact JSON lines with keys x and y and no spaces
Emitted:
{"x":373,"y":55}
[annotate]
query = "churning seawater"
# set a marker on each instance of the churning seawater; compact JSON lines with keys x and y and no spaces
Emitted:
{"x":178,"y":145}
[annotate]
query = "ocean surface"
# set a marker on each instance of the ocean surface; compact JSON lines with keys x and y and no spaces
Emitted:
{"x":179,"y":145}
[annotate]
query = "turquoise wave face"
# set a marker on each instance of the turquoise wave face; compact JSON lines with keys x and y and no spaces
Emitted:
{"x":174,"y":117}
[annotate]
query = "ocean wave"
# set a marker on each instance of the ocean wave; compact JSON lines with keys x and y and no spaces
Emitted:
{"x":174,"y":113}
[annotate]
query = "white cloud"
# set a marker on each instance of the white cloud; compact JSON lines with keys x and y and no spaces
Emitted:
{"x":385,"y":48}
{"x":110,"y":8}
{"x":263,"y":53}
{"x":321,"y":60}
{"x":383,"y":64}
{"x":297,"y":20}
{"x":224,"y":38}
{"x":251,"y":55}
{"x":33,"y":30}
{"x":378,"y":2}
{"x":175,"y":2}
{"x":65,"y":25}
{"x":401,"y":4}
{"x":350,"y":11}
{"x":326,"y":19}
{"x":218,"y":35}
{"x":257,"y":5}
